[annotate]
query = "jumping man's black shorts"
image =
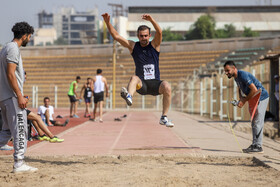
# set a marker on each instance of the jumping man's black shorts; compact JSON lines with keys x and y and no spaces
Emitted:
{"x":150,"y":87}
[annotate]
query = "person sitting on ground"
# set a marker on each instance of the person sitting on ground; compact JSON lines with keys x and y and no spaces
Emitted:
{"x":43,"y":132}
{"x":46,"y":111}
{"x":87,"y":91}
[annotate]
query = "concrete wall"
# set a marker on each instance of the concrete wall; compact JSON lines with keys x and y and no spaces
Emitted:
{"x":194,"y":45}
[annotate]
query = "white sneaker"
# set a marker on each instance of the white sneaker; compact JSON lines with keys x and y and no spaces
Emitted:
{"x":126,"y":96}
{"x":24,"y":168}
{"x":6,"y":148}
{"x":164,"y":121}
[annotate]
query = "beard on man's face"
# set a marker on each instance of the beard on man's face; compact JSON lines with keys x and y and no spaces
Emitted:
{"x":25,"y":42}
{"x":144,"y":42}
{"x":229,"y":75}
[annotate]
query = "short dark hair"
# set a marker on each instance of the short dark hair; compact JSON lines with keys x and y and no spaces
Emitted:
{"x":22,"y":28}
{"x":142,"y":28}
{"x":45,"y":98}
{"x":78,"y":77}
{"x":98,"y":71}
{"x":230,"y":63}
{"x":88,"y":78}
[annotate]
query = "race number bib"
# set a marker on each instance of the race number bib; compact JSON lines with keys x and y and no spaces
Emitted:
{"x":149,"y":71}
{"x":89,"y":94}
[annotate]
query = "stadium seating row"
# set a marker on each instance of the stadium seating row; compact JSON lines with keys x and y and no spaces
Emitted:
{"x":49,"y":71}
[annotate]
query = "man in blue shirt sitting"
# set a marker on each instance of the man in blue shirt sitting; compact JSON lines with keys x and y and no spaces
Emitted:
{"x":248,"y":86}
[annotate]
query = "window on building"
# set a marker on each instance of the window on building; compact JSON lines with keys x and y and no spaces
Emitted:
{"x":90,"y":18}
{"x":75,"y":35}
{"x":65,"y":34}
{"x":82,"y":27}
{"x":65,"y":27}
{"x":75,"y":42}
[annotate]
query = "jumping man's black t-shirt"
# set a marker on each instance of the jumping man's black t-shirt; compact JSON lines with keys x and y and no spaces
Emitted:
{"x":146,"y":61}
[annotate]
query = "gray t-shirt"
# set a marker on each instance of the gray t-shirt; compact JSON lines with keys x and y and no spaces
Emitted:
{"x":10,"y":54}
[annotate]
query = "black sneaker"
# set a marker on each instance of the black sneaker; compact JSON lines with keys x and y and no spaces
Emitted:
{"x":253,"y":149}
{"x":66,"y":122}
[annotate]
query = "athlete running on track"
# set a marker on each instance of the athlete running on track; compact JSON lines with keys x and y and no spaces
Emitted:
{"x":145,"y":54}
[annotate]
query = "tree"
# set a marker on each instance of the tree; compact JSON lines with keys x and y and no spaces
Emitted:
{"x":167,"y":35}
{"x":249,"y":33}
{"x":230,"y":30}
{"x":203,"y":28}
{"x":227,"y":32}
{"x":60,"y":41}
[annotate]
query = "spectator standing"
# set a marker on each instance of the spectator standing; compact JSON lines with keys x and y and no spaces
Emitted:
{"x":248,"y":86}
{"x":87,"y":90}
{"x":100,"y":83}
{"x":72,"y":94}
{"x":12,"y":100}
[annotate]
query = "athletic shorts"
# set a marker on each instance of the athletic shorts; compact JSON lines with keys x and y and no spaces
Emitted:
{"x":98,"y":97}
{"x":27,"y":112}
{"x":72,"y":98}
{"x":150,"y":87}
{"x":87,"y":99}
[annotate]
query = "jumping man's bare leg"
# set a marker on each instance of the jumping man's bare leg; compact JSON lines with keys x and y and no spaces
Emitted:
{"x":132,"y":84}
{"x":165,"y":89}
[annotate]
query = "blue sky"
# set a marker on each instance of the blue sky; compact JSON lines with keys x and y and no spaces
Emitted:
{"x":12,"y":11}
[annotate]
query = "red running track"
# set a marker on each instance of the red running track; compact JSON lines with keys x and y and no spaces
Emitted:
{"x":138,"y":133}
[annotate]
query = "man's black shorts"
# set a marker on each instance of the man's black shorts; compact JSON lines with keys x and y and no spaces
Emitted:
{"x":98,"y":97}
{"x":27,"y":112}
{"x":72,"y":98}
{"x":150,"y":87}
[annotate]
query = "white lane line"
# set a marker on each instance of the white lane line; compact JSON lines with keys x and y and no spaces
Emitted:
{"x":119,"y":135}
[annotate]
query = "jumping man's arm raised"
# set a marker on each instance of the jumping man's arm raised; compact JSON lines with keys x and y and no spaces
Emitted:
{"x":126,"y":43}
{"x":158,"y":36}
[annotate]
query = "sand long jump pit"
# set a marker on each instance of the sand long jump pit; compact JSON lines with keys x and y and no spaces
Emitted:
{"x":159,"y":170}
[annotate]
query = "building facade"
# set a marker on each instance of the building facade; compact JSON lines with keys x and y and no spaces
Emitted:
{"x":74,"y":27}
{"x":263,"y":19}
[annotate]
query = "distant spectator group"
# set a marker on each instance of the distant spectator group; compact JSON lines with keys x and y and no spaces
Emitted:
{"x":95,"y":87}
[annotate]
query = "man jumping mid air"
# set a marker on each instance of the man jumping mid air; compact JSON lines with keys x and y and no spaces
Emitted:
{"x":145,"y":54}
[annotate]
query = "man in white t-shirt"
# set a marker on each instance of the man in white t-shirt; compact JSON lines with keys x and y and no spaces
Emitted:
{"x":99,"y":84}
{"x":46,"y":112}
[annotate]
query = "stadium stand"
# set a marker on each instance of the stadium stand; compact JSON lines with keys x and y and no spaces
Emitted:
{"x":242,"y":58}
{"x":48,"y":72}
